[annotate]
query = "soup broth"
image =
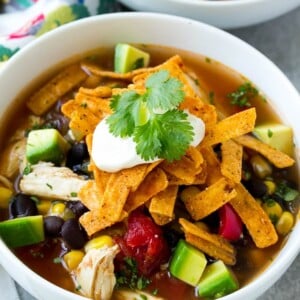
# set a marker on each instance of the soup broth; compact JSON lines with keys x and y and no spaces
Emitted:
{"x":216,"y":82}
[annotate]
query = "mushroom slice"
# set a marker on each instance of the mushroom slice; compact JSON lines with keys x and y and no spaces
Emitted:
{"x":95,"y":274}
{"x":46,"y":180}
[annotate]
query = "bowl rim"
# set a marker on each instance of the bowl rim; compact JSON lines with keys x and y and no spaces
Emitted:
{"x":290,"y":251}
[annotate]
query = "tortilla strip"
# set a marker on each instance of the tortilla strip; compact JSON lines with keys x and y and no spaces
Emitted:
{"x":232,"y":156}
{"x":163,"y":203}
{"x":254,"y":217}
{"x":199,"y":178}
{"x":276,"y":157}
{"x":161,"y":220}
{"x":155,"y":182}
{"x":213,"y":165}
{"x":209,"y":200}
{"x":89,"y":195}
{"x":206,"y":112}
{"x":102,"y":91}
{"x":211,"y":244}
{"x":231,"y":127}
{"x":93,"y":222}
{"x":62,"y":83}
{"x":187,"y":167}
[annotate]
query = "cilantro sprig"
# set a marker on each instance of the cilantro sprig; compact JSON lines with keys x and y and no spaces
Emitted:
{"x":152,"y":119}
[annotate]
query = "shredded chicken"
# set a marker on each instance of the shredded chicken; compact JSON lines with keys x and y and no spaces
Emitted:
{"x":46,"y":180}
{"x":133,"y":295}
{"x":95,"y":274}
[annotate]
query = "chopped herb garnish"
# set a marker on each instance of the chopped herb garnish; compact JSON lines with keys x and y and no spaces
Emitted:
{"x":78,"y":287}
{"x":207,"y":59}
{"x":196,"y":80}
{"x":143,"y":297}
{"x":49,"y":186}
{"x":84,"y":105}
{"x":155,"y":292}
{"x":57,"y":260}
{"x":285,"y":192}
{"x":35,"y":199}
{"x":27,"y":169}
{"x":270,"y":133}
{"x":139,"y":63}
{"x":158,"y":128}
{"x":73,"y":194}
{"x":211,"y":97}
{"x":242,"y":96}
{"x":128,"y":276}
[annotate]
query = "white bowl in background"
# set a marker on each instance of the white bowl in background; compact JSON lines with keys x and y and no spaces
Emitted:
{"x":106,"y":30}
{"x":225,"y":14}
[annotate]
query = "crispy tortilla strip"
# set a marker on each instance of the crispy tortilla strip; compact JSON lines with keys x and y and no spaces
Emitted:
{"x":89,"y":195}
{"x":276,"y":157}
{"x":62,"y":83}
{"x":93,"y":222}
{"x":99,"y":92}
{"x":213,"y":165}
{"x":163,"y":203}
{"x":155,"y":182}
{"x":209,"y":200}
{"x":211,"y":244}
{"x":187,"y":167}
{"x":161,"y":220}
{"x":199,"y":178}
{"x":232,"y":158}
{"x":231,"y":127}
{"x":254,"y":217}
{"x":202,"y":110}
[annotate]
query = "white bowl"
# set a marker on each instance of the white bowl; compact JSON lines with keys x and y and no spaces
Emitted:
{"x":221,"y":13}
{"x":107,"y":30}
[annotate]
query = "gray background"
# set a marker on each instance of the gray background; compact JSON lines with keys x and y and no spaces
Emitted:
{"x":279,"y":40}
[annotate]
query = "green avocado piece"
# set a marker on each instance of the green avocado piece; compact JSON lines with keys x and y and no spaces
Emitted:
{"x":22,"y":231}
{"x":278,"y":136}
{"x":128,"y":58}
{"x":188,"y":263}
{"x":216,"y":281}
{"x":46,"y":145}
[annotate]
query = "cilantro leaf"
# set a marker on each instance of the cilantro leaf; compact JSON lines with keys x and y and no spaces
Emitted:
{"x":165,"y":136}
{"x":121,"y":122}
{"x":163,"y":92}
{"x":242,"y":96}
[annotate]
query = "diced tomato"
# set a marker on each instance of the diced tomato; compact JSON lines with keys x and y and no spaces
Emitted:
{"x":231,"y":226}
{"x":144,"y":242}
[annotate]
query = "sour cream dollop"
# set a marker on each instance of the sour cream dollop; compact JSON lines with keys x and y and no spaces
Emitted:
{"x":112,"y":154}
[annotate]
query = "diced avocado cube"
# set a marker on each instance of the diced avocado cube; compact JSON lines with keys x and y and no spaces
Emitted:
{"x":46,"y":145}
{"x":187,"y":263}
{"x":128,"y":58}
{"x":216,"y":281}
{"x":278,"y":136}
{"x":22,"y":231}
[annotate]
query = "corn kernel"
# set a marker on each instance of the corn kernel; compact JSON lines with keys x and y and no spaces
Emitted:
{"x":273,"y":210}
{"x":285,"y":223}
{"x":73,"y":258}
{"x":43,"y":206}
{"x":99,"y":242}
{"x":271,"y":186}
{"x":58,"y":208}
{"x":5,"y":195}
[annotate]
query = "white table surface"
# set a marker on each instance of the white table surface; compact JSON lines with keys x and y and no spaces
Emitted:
{"x":279,"y":40}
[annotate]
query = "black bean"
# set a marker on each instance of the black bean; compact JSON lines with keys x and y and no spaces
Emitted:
{"x":172,"y":237}
{"x":77,"y":208}
{"x":76,"y":155}
{"x":256,"y":187}
{"x":22,"y":206}
{"x":57,"y":121}
{"x":73,"y":234}
{"x":53,"y":225}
